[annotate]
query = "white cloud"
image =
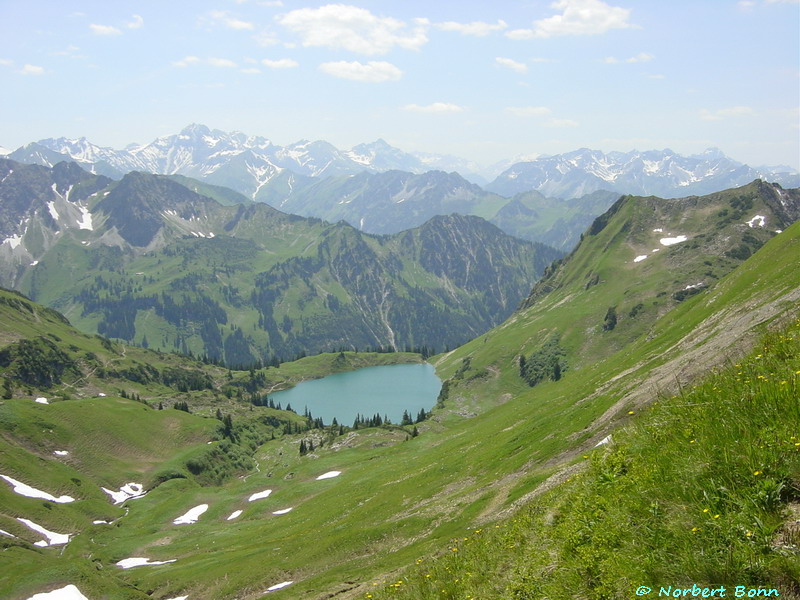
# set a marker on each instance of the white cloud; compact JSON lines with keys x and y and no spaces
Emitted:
{"x":104,"y":29}
{"x":353,"y":28}
{"x":511,"y":64}
{"x":579,"y":17}
{"x":251,"y":71}
{"x":476,"y":28}
{"x":32,"y":70}
{"x":281,"y":63}
{"x":186,"y":61}
{"x":436,"y":107}
{"x":6,"y":62}
{"x":221,"y":62}
{"x":373,"y":71}
{"x":223,"y":17}
{"x":529,"y":111}
{"x":136,"y":23}
{"x":657,"y":76}
{"x":265,"y":39}
{"x":726,"y":113}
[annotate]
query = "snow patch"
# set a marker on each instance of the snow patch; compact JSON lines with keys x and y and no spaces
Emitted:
{"x":86,"y":219}
{"x":41,"y":400}
{"x":759,"y":220}
{"x":329,"y":475}
{"x":658,"y":230}
{"x":259,"y":495}
{"x":34,"y":263}
{"x":640,"y":258}
{"x":604,"y":441}
{"x":695,"y":286}
{"x":31,"y":492}
{"x":60,"y":452}
{"x":8,"y":534}
{"x":138,"y":561}
{"x":99,"y":522}
{"x":282,"y":511}
{"x":129,"y":490}
{"x":670,"y":241}
{"x":191,"y":516}
{"x":53,"y":539}
{"x":13,"y":241}
{"x":280,"y":585}
{"x":51,"y":206}
{"x":69,"y":592}
{"x":234,"y":515}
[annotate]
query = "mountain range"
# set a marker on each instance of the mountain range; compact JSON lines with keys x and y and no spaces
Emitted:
{"x":249,"y":164}
{"x":158,"y":261}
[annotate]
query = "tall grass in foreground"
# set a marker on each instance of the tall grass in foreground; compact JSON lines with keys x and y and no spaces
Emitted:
{"x":702,"y":489}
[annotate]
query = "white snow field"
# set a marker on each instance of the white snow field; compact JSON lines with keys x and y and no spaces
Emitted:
{"x":280,"y":585}
{"x":671,"y":241}
{"x":138,"y":561}
{"x":329,"y":475}
{"x":53,"y":539}
{"x":259,"y":495}
{"x":191,"y":516}
{"x":129,"y":490}
{"x":69,"y":592}
{"x":234,"y":515}
{"x":31,"y":492}
{"x":282,"y":511}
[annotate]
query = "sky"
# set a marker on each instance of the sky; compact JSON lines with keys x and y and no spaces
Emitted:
{"x":487,"y":81}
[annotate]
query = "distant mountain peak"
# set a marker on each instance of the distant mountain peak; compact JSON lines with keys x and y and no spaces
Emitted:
{"x":195,"y":130}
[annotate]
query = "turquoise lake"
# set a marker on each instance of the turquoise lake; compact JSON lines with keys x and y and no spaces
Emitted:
{"x":387,"y":390}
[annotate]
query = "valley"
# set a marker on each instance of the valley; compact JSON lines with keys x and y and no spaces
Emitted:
{"x":656,"y":294}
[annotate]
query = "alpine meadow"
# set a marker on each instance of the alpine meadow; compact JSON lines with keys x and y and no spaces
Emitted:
{"x":538,"y":340}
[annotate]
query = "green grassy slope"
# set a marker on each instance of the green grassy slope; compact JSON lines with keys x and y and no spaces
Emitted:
{"x":699,"y":492}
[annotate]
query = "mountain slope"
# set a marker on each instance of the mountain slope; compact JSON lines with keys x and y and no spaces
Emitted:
{"x":637,"y":262}
{"x":389,"y":202}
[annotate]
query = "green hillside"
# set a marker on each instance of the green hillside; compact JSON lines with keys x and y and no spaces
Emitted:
{"x":698,"y":493}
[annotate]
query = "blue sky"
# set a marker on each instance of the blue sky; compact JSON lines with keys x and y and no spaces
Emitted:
{"x":483,"y":80}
